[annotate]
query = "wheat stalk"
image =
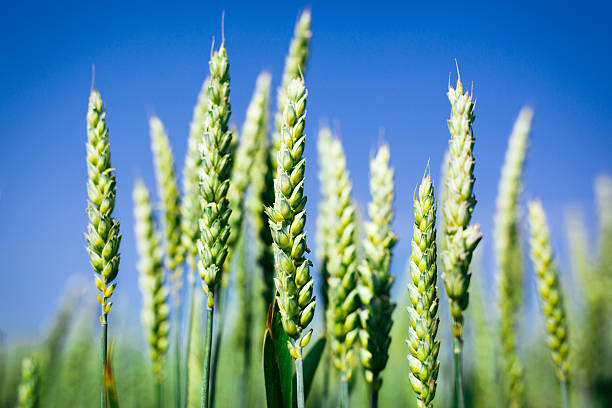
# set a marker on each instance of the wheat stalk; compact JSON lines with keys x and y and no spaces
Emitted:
{"x":509,"y":257}
{"x":460,"y":238}
{"x":342,"y":261}
{"x":295,"y":66}
{"x":28,"y":393}
{"x":155,"y":308}
{"x":375,"y":279}
{"x":294,"y":285}
{"x":423,"y":346}
{"x":103,"y":237}
{"x":214,"y":183}
{"x":551,"y":295}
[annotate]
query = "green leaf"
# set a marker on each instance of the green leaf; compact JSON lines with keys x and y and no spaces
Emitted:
{"x":311,"y":362}
{"x":277,"y":362}
{"x":110,"y":388}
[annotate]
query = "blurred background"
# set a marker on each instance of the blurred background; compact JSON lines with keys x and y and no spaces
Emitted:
{"x":378,"y":72}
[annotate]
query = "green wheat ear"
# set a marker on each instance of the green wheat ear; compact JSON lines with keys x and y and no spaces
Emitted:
{"x":551,"y":295}
{"x":215,"y":149}
{"x":461,"y":238}
{"x":170,"y":199}
{"x":102,"y":235}
{"x":423,"y":346}
{"x":287,"y":218}
{"x":28,"y":393}
{"x":342,"y":262}
{"x":509,"y":257}
{"x":155,"y":308}
{"x":295,"y":66}
{"x":375,"y":279}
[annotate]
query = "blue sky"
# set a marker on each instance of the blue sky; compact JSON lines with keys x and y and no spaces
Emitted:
{"x":373,"y":66}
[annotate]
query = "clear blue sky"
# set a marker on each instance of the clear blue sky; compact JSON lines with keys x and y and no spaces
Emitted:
{"x":373,"y":66}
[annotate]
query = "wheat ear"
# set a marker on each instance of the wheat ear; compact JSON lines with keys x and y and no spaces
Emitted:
{"x":294,"y":285}
{"x":551,"y":295}
{"x":460,"y":238}
{"x":214,"y":183}
{"x":375,"y":278}
{"x":155,"y":307}
{"x":28,"y":393}
{"x":103,"y":237}
{"x":509,"y":256}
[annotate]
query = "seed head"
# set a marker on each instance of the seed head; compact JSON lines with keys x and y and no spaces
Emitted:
{"x":215,"y":148}
{"x":155,"y":308}
{"x":375,"y":280}
{"x":287,"y":218}
{"x":460,"y":238}
{"x":102,"y":235}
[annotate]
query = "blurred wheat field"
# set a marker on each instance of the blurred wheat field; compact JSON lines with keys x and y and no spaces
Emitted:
{"x":231,"y":243}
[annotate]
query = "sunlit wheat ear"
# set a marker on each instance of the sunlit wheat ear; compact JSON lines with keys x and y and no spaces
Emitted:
{"x":551,"y":295}
{"x":423,"y":346}
{"x":295,"y":66}
{"x":102,"y":235}
{"x":375,"y":279}
{"x":214,"y":174}
{"x":461,"y":238}
{"x":342,"y":262}
{"x":167,"y":188}
{"x":155,"y":308}
{"x":509,"y":256}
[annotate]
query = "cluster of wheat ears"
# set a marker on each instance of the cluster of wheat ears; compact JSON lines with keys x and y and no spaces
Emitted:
{"x":242,"y":198}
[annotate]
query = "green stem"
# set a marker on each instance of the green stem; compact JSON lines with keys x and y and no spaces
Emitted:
{"x":374,"y":394}
{"x":299,"y":373}
{"x":344,"y":392}
{"x":158,"y":393}
{"x":103,"y":353}
{"x":207,"y":351}
{"x":177,"y":350}
{"x":565,"y":393}
{"x":190,"y":318}
{"x":248,"y":318}
{"x":217,"y":346}
{"x":326,"y":367}
{"x":457,"y":349}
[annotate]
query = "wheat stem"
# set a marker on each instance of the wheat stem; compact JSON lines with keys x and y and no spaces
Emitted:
{"x":189,"y":329}
{"x":299,"y":374}
{"x":344,"y":390}
{"x":210,"y":311}
{"x":457,"y":363}
{"x":104,"y":348}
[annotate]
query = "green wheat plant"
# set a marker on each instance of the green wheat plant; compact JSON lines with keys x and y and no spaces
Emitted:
{"x":29,"y":388}
{"x":460,"y":238}
{"x":375,"y":280}
{"x":342,"y":262}
{"x":295,"y":66}
{"x":551,"y":295}
{"x":423,"y":346}
{"x":214,"y":173}
{"x":293,"y":282}
{"x":155,"y":309}
{"x":509,"y":257}
{"x":190,"y":215}
{"x":102,"y":235}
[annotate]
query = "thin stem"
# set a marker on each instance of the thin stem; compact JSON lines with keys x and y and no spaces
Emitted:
{"x":374,"y":394}
{"x":344,"y":391}
{"x":207,"y":351}
{"x":326,"y":367}
{"x":177,"y":350}
{"x":217,"y":346}
{"x":299,"y":373}
{"x":457,"y":349}
{"x":158,"y":393}
{"x":103,"y":345}
{"x":190,"y":318}
{"x":248,"y":317}
{"x":565,"y":393}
